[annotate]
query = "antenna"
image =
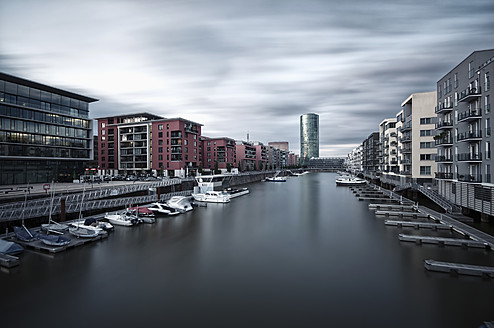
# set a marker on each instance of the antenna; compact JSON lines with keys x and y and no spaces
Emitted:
{"x":248,"y":136}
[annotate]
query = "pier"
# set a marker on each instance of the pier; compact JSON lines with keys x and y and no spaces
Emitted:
{"x":418,"y":225}
{"x":8,"y":261}
{"x":457,"y":268}
{"x":444,"y":241}
{"x":393,"y":207}
{"x":415,"y":215}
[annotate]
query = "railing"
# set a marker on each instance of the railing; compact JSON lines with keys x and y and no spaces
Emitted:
{"x":444,"y":158}
{"x":475,"y":178}
{"x":468,"y":93}
{"x":438,"y":199}
{"x":443,"y":107}
{"x":469,"y":157}
{"x":469,"y":135}
{"x":444,"y":175}
{"x":444,"y":141}
{"x":473,"y":113}
{"x":444,"y":124}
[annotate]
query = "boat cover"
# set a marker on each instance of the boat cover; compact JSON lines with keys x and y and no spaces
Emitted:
{"x":24,"y":234}
{"x":54,"y":240}
{"x":9,"y":247}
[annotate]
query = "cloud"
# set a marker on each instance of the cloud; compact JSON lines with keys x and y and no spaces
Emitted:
{"x":246,"y":66}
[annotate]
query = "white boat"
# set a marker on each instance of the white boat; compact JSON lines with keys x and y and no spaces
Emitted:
{"x":125,"y":218}
{"x":211,"y":197}
{"x":143,"y":213}
{"x":81,"y":232}
{"x":99,"y":226}
{"x":163,"y":208}
{"x":180,"y":203}
{"x":236,"y":192}
{"x":349,"y":181}
{"x":275,"y":179}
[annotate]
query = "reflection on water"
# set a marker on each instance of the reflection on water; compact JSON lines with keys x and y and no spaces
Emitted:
{"x":304,"y":253}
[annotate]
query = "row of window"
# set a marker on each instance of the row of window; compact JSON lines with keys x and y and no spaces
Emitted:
{"x":32,"y":127}
{"x":42,"y":117}
{"x":36,"y":139}
{"x":41,"y":151}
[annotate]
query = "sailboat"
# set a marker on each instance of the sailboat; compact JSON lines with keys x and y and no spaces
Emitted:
{"x":53,"y":226}
{"x":22,"y":233}
{"x":79,"y":231}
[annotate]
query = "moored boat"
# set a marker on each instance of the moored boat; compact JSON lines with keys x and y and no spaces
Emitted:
{"x":349,"y":181}
{"x":163,"y":208}
{"x":53,"y":240}
{"x":10,"y":248}
{"x":180,"y":203}
{"x":211,"y":197}
{"x":125,"y":218}
{"x":236,"y":192}
{"x":275,"y":179}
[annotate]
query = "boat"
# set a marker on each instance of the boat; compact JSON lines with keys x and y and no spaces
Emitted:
{"x":24,"y":234}
{"x":125,"y":218}
{"x":93,"y":224}
{"x":53,"y":226}
{"x":82,"y":232}
{"x":275,"y":179}
{"x":163,"y":208}
{"x":236,"y":192}
{"x":10,"y":248}
{"x":180,"y":203}
{"x":53,"y":240}
{"x":350,"y":181}
{"x":143,"y":213}
{"x":211,"y":197}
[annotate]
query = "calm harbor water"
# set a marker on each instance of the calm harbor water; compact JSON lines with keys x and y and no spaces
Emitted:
{"x":304,"y":253}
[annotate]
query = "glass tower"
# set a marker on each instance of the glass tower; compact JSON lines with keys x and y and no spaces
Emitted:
{"x":309,"y":137}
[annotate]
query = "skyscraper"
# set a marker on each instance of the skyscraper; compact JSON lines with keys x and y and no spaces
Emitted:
{"x":309,"y":137}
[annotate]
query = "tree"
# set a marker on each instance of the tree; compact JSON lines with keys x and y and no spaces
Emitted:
{"x":255,"y":167}
{"x":239,"y":166}
{"x":228,"y":167}
{"x":216,"y":170}
{"x":199,"y":169}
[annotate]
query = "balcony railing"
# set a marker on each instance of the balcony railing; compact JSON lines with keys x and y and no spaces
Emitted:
{"x":469,"y":157}
{"x":443,"y":175}
{"x":444,"y":141}
{"x":406,"y":139}
{"x":473,"y":114}
{"x":444,"y":108}
{"x":444,"y":125}
{"x":470,"y":136}
{"x":470,"y":177}
{"x":470,"y":94}
{"x":406,"y":150}
{"x":444,"y":158}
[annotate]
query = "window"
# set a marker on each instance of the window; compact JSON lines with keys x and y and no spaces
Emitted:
{"x":160,"y":157}
{"x":426,"y":133}
{"x":488,"y":150}
{"x":160,"y":149}
{"x":160,"y":127}
{"x":487,"y":104}
{"x":160,"y":134}
{"x":426,"y":120}
{"x":425,"y":157}
{"x":456,"y":80}
{"x":160,"y":142}
{"x":425,"y":170}
{"x":487,"y":81}
{"x":426,"y":145}
{"x":488,"y":126}
{"x":103,"y":125}
{"x":470,"y":69}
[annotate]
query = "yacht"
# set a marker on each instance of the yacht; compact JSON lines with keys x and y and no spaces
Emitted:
{"x":180,"y":203}
{"x":349,"y":181}
{"x":212,"y":197}
{"x":236,"y":192}
{"x":275,"y":179}
{"x":163,"y":208}
{"x":125,"y":218}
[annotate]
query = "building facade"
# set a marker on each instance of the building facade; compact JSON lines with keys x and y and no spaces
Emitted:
{"x":309,"y":137}
{"x":370,"y":149}
{"x":388,"y":147}
{"x":45,"y":132}
{"x":261,"y":155}
{"x":246,"y":155}
{"x":283,"y":145}
{"x":463,"y":133}
{"x":218,"y":152}
{"x":143,"y":143}
{"x":327,"y":163}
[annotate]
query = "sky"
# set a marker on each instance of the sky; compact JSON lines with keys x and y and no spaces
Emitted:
{"x":246,"y":66}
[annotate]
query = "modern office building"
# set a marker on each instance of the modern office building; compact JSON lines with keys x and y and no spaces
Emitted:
{"x":45,"y":132}
{"x":144,"y":143}
{"x":218,"y":152}
{"x":309,"y":137}
{"x":463,"y":133}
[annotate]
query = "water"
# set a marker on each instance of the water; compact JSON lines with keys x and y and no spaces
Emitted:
{"x":304,"y":253}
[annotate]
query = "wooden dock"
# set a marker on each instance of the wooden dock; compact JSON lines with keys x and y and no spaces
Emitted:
{"x":378,"y":199}
{"x":8,"y":261}
{"x":415,"y":215}
{"x":457,"y":268}
{"x":393,"y":207}
{"x":444,"y":241}
{"x":39,"y":246}
{"x":418,"y":225}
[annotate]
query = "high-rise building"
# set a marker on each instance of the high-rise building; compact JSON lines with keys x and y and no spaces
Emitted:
{"x":309,"y":137}
{"x":45,"y":132}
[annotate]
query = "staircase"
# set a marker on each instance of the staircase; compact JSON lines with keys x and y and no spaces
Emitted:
{"x":432,"y":195}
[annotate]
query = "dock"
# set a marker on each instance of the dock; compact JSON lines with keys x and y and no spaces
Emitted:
{"x":457,"y":268}
{"x":415,"y":215}
{"x":393,"y":207}
{"x":377,"y":199}
{"x":418,"y":225}
{"x":444,"y":241}
{"x":8,"y":261}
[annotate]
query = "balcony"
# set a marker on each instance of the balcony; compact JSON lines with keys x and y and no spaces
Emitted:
{"x":406,"y":139}
{"x":470,"y":115}
{"x":475,"y":178}
{"x":406,"y":127}
{"x":447,"y":141}
{"x":470,"y":94}
{"x":443,"y":175}
{"x":444,"y":125}
{"x":469,"y":157}
{"x":406,"y":151}
{"x":442,"y":108}
{"x":470,"y":136}
{"x":444,"y":158}
{"x":406,"y":172}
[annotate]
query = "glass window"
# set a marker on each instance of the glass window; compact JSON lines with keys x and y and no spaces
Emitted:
{"x":34,"y":93}
{"x":425,"y":170}
{"x":56,"y":99}
{"x":23,"y":91}
{"x":11,"y":87}
{"x":66,"y":101}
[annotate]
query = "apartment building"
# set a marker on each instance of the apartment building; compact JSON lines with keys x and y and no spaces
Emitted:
{"x":218,"y":151}
{"x":261,"y":155}
{"x":354,"y":163}
{"x":463,"y":133}
{"x":246,"y":155}
{"x":45,"y":132}
{"x":144,"y":143}
{"x":388,"y":147}
{"x":370,"y":150}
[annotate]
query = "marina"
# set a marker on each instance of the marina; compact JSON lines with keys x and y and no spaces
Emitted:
{"x":219,"y":259}
{"x":418,"y":225}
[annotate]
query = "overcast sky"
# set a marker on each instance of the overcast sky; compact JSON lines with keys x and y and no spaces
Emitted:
{"x":246,"y":66}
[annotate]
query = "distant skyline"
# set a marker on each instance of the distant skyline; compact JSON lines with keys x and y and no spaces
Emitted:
{"x":241,"y":67}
